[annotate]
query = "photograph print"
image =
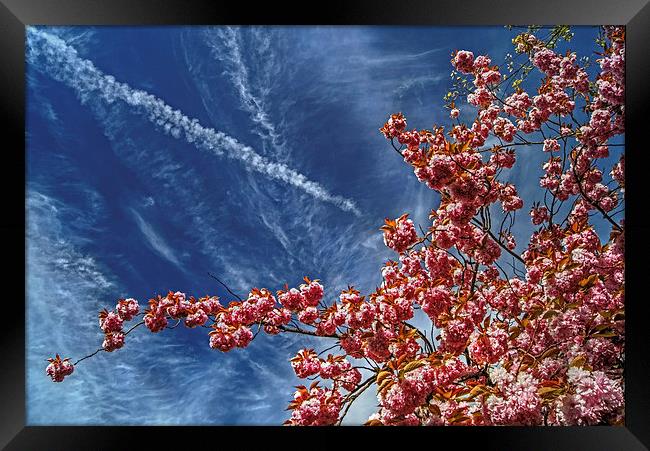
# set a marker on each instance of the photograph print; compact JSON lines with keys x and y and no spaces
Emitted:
{"x":325,"y":225}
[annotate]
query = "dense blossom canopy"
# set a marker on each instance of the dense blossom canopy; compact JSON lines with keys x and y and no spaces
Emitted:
{"x":537,"y":342}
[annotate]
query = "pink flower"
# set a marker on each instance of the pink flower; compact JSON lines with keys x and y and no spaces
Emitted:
{"x":155,"y":323}
{"x":222,"y":340}
{"x":482,"y":61}
{"x":312,"y":292}
{"x":254,"y":309}
{"x":510,"y":201}
{"x":390,"y":272}
{"x":481,"y":97}
{"x":377,"y":346}
{"x":395,"y":125}
{"x":113,"y":341}
{"x":127,"y":308}
{"x":506,"y":130}
{"x":278,"y":317}
{"x":455,"y":335}
{"x":518,"y":403}
{"x":539,"y":214}
{"x":411,"y":139}
{"x":503,"y":159}
{"x":489,"y":348}
{"x":353,"y":345}
{"x":487,"y":77}
{"x":463,"y":61}
{"x":210,"y":305}
{"x":350,"y":379}
{"x":551,"y":145}
{"x":435,"y":301}
{"x":439,"y":264}
{"x":242,"y":336}
{"x":618,"y":171}
{"x":547,"y":61}
{"x":399,"y":234}
{"x":308,"y":315}
{"x":517,"y":104}
{"x":411,"y":263}
{"x":110,"y":322}
{"x":334,"y":366}
{"x":198,"y":318}
{"x":59,"y":368}
{"x":315,"y":407}
{"x":155,"y":319}
{"x":177,"y":305}
{"x":306,"y":363}
{"x":596,"y":398}
{"x":292,"y":299}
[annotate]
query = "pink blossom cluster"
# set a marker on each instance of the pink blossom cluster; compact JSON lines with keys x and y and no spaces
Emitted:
{"x":315,"y":406}
{"x":517,"y":104}
{"x":395,"y":126}
{"x":551,"y":145}
{"x":503,"y":159}
{"x":308,"y":295}
{"x":59,"y":368}
{"x":113,"y":341}
{"x":111,"y":323}
{"x":177,"y":306}
{"x":435,"y":301}
{"x":127,"y":309}
{"x":232,"y":325}
{"x":594,"y":397}
{"x":334,"y":366}
{"x":618,"y":171}
{"x":403,"y":396}
{"x":488,"y":347}
{"x":463,"y":61}
{"x":306,"y":363}
{"x":611,"y":80}
{"x":517,"y":402}
{"x":224,"y":338}
{"x":399,"y":234}
{"x":539,"y":214}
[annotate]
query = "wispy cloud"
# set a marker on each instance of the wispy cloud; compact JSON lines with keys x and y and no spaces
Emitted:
{"x":42,"y":211}
{"x":63,"y":63}
{"x":398,"y":58}
{"x":149,"y":201}
{"x":157,"y":242}
{"x":226,"y":45}
{"x":418,"y":83}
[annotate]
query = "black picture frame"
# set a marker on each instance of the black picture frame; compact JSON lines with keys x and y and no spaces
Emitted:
{"x":15,"y":15}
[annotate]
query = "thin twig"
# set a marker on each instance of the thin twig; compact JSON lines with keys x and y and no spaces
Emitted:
{"x":352,"y":398}
{"x":88,"y":356}
{"x":225,"y":286}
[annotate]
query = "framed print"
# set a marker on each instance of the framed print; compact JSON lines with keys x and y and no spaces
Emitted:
{"x":237,"y":219}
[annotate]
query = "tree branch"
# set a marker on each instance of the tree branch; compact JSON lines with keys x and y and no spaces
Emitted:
{"x":225,"y":286}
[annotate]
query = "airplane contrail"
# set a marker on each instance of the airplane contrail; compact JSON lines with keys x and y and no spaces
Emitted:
{"x":64,"y":64}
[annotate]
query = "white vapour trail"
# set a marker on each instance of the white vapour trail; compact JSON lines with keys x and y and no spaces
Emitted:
{"x":64,"y":64}
{"x":225,"y":45}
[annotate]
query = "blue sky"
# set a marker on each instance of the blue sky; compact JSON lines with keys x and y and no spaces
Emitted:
{"x":286,"y":176}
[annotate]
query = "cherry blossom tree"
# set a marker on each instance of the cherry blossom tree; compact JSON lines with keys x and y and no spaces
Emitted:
{"x":530,"y":338}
